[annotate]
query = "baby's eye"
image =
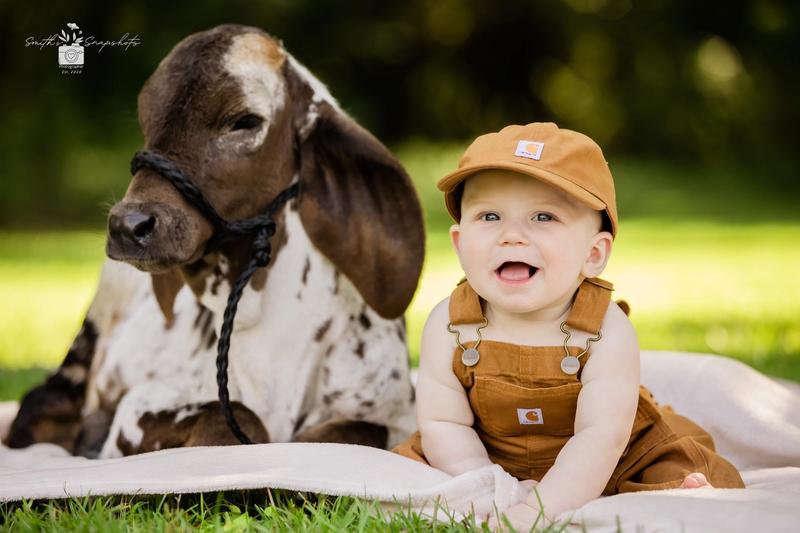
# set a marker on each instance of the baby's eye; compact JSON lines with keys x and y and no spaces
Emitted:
{"x":490,"y":217}
{"x":543,"y":217}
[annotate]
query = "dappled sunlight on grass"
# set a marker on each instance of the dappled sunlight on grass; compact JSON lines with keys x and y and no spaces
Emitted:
{"x":41,"y":312}
{"x":46,"y":281}
{"x":708,"y":270}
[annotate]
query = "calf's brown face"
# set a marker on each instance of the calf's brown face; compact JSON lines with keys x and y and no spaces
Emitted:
{"x":216,"y":106}
{"x":242,"y":120}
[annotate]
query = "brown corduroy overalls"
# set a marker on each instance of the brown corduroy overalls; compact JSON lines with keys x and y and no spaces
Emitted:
{"x":524,"y":406}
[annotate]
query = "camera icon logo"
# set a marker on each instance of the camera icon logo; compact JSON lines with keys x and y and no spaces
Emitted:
{"x":70,"y":49}
{"x":70,"y":55}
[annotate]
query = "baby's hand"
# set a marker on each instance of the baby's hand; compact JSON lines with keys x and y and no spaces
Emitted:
{"x":521,"y":516}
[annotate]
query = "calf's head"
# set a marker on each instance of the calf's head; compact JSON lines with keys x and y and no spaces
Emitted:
{"x":243,"y":120}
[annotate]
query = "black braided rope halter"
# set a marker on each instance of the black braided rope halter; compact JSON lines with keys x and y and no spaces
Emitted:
{"x":261,"y":226}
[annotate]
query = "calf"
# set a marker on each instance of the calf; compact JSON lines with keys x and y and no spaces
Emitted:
{"x":318,"y":351}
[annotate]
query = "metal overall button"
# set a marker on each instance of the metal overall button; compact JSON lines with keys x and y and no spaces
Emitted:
{"x":570,"y":364}
{"x":469,"y":356}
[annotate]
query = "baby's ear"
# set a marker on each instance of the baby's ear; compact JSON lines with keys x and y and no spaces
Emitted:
{"x":455,"y":235}
{"x":599,"y":254}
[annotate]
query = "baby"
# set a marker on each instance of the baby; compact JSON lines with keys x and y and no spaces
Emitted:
{"x":528,"y":363}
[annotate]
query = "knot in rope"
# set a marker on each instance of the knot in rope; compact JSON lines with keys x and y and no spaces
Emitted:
{"x":261,"y":249}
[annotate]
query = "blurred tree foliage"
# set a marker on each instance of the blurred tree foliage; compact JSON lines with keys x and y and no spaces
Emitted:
{"x":705,"y":82}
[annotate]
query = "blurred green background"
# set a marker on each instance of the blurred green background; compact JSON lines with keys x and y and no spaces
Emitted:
{"x":694,"y":103}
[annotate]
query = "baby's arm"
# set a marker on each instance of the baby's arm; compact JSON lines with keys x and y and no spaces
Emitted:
{"x":443,"y":412}
{"x":606,"y":409}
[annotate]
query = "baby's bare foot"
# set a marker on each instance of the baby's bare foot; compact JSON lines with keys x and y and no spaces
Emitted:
{"x":695,"y":480}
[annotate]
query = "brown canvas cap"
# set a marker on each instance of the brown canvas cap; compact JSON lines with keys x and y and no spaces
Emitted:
{"x":563,"y":158}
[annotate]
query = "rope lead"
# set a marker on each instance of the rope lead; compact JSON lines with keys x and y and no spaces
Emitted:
{"x":262,"y":227}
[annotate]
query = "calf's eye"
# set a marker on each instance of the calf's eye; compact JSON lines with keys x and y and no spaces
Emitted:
{"x":247,"y":122}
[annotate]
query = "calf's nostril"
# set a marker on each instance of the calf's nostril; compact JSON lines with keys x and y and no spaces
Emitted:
{"x":144,"y":227}
{"x":131,"y":227}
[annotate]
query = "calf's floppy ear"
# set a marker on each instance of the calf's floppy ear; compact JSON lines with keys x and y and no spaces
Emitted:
{"x":360,"y":209}
{"x":166,"y":286}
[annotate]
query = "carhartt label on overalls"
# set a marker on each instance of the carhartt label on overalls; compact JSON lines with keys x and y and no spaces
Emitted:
{"x":530,"y":416}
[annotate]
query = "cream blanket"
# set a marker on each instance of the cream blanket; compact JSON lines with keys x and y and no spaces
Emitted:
{"x":755,"y":422}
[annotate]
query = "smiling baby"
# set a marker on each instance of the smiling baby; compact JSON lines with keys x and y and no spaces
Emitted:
{"x":529,"y":364}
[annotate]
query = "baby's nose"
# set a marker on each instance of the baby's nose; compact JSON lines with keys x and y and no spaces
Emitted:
{"x":513,"y":233}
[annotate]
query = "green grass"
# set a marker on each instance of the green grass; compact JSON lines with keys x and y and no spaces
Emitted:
{"x":46,"y":282}
{"x":267,"y":510}
{"x":14,"y":382}
{"x":706,"y":260}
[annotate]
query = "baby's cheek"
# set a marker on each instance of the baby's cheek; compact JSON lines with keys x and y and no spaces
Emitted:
{"x":473,"y":258}
{"x":467,"y":261}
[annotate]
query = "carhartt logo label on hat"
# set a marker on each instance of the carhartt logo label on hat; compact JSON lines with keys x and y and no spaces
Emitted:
{"x":530,"y":149}
{"x":529,"y":416}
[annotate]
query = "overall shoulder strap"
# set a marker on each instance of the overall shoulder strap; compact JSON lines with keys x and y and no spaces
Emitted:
{"x":587,"y":314}
{"x":465,"y":305}
{"x":590,"y":305}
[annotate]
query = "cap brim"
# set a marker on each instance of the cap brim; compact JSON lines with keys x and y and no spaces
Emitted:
{"x":451,"y":181}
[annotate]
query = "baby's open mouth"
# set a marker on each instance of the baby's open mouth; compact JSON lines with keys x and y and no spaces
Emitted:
{"x":516,"y":271}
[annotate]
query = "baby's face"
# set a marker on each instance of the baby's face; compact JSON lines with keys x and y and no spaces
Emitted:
{"x":523,"y":244}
